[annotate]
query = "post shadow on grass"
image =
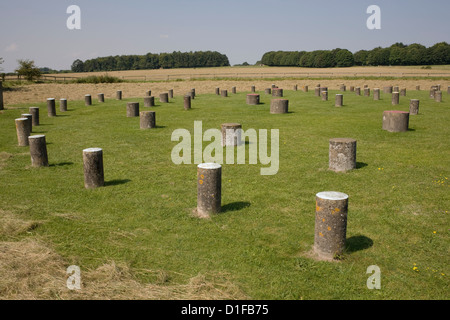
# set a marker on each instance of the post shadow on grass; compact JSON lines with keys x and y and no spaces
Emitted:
{"x":360,"y":165}
{"x":60,"y":164}
{"x":116,"y":182}
{"x":234,"y":206}
{"x":357,"y":243}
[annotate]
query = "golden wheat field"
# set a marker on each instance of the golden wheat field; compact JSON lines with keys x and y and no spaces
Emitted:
{"x":237,"y":77}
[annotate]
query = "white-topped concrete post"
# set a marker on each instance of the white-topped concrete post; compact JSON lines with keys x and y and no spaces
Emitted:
{"x":330,"y":224}
{"x":93,"y":168}
{"x":209,"y":189}
{"x":38,"y":151}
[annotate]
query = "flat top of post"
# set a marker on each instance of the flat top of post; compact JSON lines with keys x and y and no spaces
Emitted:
{"x":230,"y":124}
{"x":209,"y":165}
{"x":50,"y":98}
{"x":342,"y":140}
{"x":26,"y":114}
{"x":396,"y":111}
{"x":92,"y":150}
{"x":332,"y":195}
{"x":37,"y":136}
{"x":22,"y":119}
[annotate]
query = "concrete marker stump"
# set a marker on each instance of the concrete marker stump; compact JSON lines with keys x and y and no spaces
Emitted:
{"x":358,"y":91}
{"x":217,"y":91}
{"x":38,"y":151}
{"x":339,"y":100}
{"x":224,"y":93}
{"x":414,"y":106}
{"x":252,"y":99}
{"x":278,"y":106}
{"x":277,"y":92}
{"x":187,"y":102}
{"x":433,"y":90}
{"x":93,"y":168}
{"x":403,"y":92}
{"x":438,"y":96}
{"x":268,"y":91}
{"x":305,"y":88}
{"x":352,"y":89}
{"x":148,"y":93}
{"x":209,"y":189}
{"x":132,"y":109}
{"x":193,"y":93}
{"x":387,"y":89}
{"x":63,"y":105}
{"x":317,"y":91}
{"x":147,"y":119}
{"x":34,"y":111}
{"x":367,"y":92}
{"x":395,"y":121}
{"x":342,"y":154}
{"x":51,"y":108}
{"x":324,"y":95}
{"x":101,"y":97}
{"x":170,"y":93}
{"x":118,"y":95}
{"x":23,"y":131}
{"x":87,"y":100}
{"x":164,"y":97}
{"x":376,"y":94}
{"x":330,"y":224}
{"x":417,"y":88}
{"x":253,"y":89}
{"x":295,"y":88}
{"x":233,"y":90}
{"x":231,"y":134}
{"x":395,"y":100}
{"x":29,"y":117}
{"x":149,"y":101}
{"x":396,"y":89}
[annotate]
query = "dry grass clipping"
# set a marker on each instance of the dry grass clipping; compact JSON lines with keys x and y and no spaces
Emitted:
{"x":30,"y":269}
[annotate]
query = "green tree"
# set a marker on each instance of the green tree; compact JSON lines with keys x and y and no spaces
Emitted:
{"x":344,"y":58}
{"x":378,"y":57}
{"x":28,"y":70}
{"x":416,"y":54}
{"x":440,"y":53}
{"x":323,"y":59}
{"x":360,"y":57}
{"x":77,"y":66}
{"x":397,"y":54}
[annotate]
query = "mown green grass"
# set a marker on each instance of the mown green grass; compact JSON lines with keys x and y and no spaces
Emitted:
{"x":398,"y":196}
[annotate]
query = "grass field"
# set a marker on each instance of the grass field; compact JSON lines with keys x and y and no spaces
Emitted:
{"x":137,"y":237}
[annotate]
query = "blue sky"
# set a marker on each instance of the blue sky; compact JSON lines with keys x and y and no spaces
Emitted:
{"x":243,"y":30}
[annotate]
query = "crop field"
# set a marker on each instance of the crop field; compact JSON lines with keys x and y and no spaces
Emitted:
{"x":205,"y":80}
{"x":138,"y":237}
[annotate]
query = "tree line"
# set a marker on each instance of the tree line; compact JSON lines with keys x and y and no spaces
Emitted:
{"x":398,"y":54}
{"x":175,"y":59}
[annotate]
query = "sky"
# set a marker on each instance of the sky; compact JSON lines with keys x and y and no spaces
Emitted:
{"x":242,"y":29}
